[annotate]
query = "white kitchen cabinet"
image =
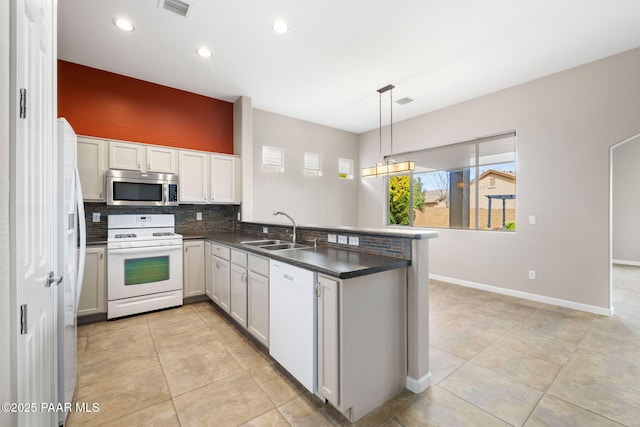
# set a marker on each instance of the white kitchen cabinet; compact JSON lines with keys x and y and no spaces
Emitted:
{"x":161,"y":160}
{"x":126,"y":155}
{"x":328,"y":339}
{"x":221,"y":276}
{"x":361,"y":340}
{"x":258,"y":298}
{"x":93,"y":297}
{"x":193,"y":167}
{"x":207,"y":270}
{"x":222,"y":185}
{"x":239,"y":286}
{"x":91,"y":167}
{"x":193,"y":268}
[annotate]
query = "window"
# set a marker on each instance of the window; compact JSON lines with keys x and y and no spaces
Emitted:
{"x":272,"y":159}
{"x":345,"y":168}
{"x":469,"y":185}
{"x":312,"y":164}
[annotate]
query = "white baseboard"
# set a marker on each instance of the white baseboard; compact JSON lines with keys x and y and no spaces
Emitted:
{"x":525,"y":295}
{"x":626,"y":262}
{"x":419,"y":385}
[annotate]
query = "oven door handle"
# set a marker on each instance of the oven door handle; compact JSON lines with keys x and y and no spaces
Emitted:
{"x":144,"y":250}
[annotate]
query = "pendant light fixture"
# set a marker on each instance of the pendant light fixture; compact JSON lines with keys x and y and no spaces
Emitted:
{"x":387,"y":167}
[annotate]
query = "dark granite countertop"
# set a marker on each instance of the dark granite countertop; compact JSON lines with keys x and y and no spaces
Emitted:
{"x":336,"y":262}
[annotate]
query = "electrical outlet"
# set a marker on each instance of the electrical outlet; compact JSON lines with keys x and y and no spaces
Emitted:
{"x":354,"y":240}
{"x":198,"y":216}
{"x":532,"y":219}
{"x":265,"y":230}
{"x":331,"y":238}
{"x":96,"y":217}
{"x":532,"y":274}
{"x":342,"y":240}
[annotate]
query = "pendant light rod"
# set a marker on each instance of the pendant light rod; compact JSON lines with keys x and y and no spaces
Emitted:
{"x":388,"y":167}
{"x":382,"y":90}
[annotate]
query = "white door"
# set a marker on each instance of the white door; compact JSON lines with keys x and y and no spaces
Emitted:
{"x":34,"y":209}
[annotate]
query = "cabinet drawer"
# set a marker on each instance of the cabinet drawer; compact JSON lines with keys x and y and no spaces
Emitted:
{"x":220,"y":251}
{"x":239,"y":258}
{"x":259,"y":265}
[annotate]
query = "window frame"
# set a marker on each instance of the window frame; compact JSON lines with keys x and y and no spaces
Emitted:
{"x":475,"y":166}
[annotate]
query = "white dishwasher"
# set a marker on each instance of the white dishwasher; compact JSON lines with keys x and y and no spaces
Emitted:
{"x":292,"y":321}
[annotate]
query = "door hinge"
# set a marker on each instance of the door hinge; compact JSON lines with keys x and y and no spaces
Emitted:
{"x":23,"y":319}
{"x":23,"y":103}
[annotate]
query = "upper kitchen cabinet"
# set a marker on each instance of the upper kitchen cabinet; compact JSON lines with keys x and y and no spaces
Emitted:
{"x":161,"y":160}
{"x":223,"y":186}
{"x":193,"y":172}
{"x":126,"y":155}
{"x":91,"y":167}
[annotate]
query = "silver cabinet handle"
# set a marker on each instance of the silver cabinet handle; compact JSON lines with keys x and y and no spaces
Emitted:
{"x":101,"y":255}
{"x":148,"y":166}
{"x":139,"y":165}
{"x":318,"y":289}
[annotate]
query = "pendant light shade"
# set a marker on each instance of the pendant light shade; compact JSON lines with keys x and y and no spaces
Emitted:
{"x":388,"y":167}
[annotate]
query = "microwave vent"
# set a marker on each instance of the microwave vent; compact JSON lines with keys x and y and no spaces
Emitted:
{"x":175,"y":6}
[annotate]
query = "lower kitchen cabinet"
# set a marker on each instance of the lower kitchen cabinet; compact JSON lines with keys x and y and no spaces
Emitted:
{"x":258,"y":298}
{"x":193,"y":268}
{"x":207,"y":270}
{"x":221,"y":276}
{"x":93,"y":297}
{"x":361,"y":340}
{"x":239,"y":286}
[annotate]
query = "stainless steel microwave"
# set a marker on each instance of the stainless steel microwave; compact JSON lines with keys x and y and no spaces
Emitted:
{"x":133,"y":188}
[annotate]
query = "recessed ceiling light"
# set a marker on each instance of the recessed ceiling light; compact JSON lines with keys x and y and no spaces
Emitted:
{"x":280,"y":27}
{"x":123,"y":24}
{"x":204,"y":52}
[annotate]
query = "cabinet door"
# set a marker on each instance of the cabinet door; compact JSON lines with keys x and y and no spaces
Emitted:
{"x":258,"y":307}
{"x":93,"y":296}
{"x":126,"y":155}
{"x":328,"y":340}
{"x":207,"y":270}
{"x":221,"y":282}
{"x":193,"y":269}
{"x":223,"y":179}
{"x":239,"y":294}
{"x":193,"y":174}
{"x":91,"y":167}
{"x":162,"y":160}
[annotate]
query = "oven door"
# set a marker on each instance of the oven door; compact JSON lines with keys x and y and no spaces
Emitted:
{"x":143,"y":271}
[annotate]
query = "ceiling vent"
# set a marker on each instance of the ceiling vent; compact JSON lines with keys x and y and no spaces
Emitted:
{"x":404,"y":101}
{"x":175,"y":6}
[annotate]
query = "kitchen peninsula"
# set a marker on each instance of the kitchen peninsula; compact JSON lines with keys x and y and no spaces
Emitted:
{"x":371,"y":297}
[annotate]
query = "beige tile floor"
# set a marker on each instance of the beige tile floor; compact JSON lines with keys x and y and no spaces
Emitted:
{"x":495,"y":361}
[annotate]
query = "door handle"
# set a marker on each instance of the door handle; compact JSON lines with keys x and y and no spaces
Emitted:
{"x":51,"y":279}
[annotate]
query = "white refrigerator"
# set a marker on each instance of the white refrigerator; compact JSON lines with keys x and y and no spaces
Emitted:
{"x":71,"y":241}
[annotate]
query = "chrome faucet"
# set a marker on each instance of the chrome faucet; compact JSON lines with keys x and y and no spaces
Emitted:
{"x":293,"y":240}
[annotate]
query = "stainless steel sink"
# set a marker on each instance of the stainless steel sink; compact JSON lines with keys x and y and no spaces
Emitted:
{"x":261,"y":242}
{"x":280,"y":246}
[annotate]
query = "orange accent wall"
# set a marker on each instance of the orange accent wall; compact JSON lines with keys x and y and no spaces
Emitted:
{"x":107,"y":105}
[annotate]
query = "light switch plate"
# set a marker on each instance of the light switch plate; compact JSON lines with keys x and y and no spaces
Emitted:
{"x":354,"y":240}
{"x":198,"y":216}
{"x":331,"y":238}
{"x":96,"y":217}
{"x":265,"y":230}
{"x":532,"y":219}
{"x":342,"y":240}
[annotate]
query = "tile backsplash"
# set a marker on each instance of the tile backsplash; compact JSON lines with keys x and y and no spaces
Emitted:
{"x":215,"y":218}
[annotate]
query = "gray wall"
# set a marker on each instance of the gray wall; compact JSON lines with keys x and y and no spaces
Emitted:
{"x":566,"y":124}
{"x":324,"y":200}
{"x":626,"y":202}
{"x":5,"y":259}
